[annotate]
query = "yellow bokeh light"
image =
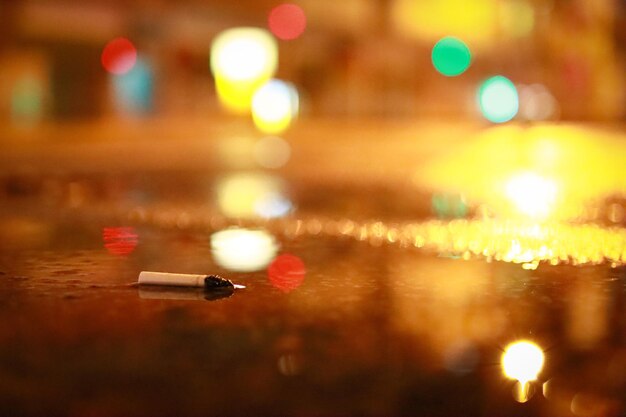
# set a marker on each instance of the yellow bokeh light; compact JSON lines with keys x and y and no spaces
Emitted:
{"x":243,"y":250}
{"x":481,"y":23}
{"x":575,"y":168}
{"x":252,"y":195}
{"x":531,"y":194}
{"x":236,"y":96}
{"x":433,"y":19}
{"x":274,"y":106}
{"x":242,"y":59}
{"x":517,"y":18}
{"x":522,"y":361}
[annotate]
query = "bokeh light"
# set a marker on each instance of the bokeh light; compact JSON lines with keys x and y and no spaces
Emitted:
{"x":451,"y":56}
{"x":498,"y":99}
{"x":119,"y":56}
{"x":287,"y":21}
{"x":522,"y":361}
{"x":286,"y":272}
{"x":120,"y":241}
{"x":252,"y":195}
{"x":133,"y":91}
{"x":430,"y":20}
{"x":274,"y":106}
{"x":481,"y":166}
{"x":536,"y":102}
{"x":532,"y":194}
{"x":449,"y":205}
{"x":27,"y":101}
{"x":517,"y":18}
{"x":243,"y":250}
{"x":272,"y":152}
{"x":242,"y":59}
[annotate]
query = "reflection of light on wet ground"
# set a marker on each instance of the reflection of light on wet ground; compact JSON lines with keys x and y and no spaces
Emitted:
{"x":120,"y":240}
{"x":515,"y":241}
{"x":250,"y":195}
{"x":243,"y":250}
{"x":272,"y":152}
{"x":522,"y":361}
{"x":286,"y":272}
{"x":289,"y":364}
{"x":510,"y":241}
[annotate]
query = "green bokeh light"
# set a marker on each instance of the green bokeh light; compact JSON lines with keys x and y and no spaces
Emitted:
{"x":26,"y":100}
{"x":451,"y":56}
{"x":498,"y":99}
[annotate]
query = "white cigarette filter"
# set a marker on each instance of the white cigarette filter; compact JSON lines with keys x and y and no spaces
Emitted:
{"x":209,"y":282}
{"x":166,"y":278}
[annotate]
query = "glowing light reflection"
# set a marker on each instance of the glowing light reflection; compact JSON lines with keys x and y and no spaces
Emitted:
{"x":120,"y":241}
{"x":522,"y":361}
{"x":286,"y":272}
{"x":272,"y":152}
{"x":516,"y":241}
{"x":252,"y":195}
{"x":243,"y":250}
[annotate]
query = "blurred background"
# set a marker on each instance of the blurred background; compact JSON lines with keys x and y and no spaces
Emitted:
{"x":349,"y":59}
{"x":425,"y":198}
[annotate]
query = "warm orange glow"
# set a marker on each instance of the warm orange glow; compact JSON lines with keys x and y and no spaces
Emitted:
{"x":546,"y":171}
{"x":522,"y":361}
{"x":519,"y":241}
{"x":532,"y":195}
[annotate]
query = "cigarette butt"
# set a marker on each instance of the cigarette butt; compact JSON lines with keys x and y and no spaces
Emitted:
{"x":209,"y":282}
{"x":166,"y":278}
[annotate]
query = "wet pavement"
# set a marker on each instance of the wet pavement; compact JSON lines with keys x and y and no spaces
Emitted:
{"x":346,"y":311}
